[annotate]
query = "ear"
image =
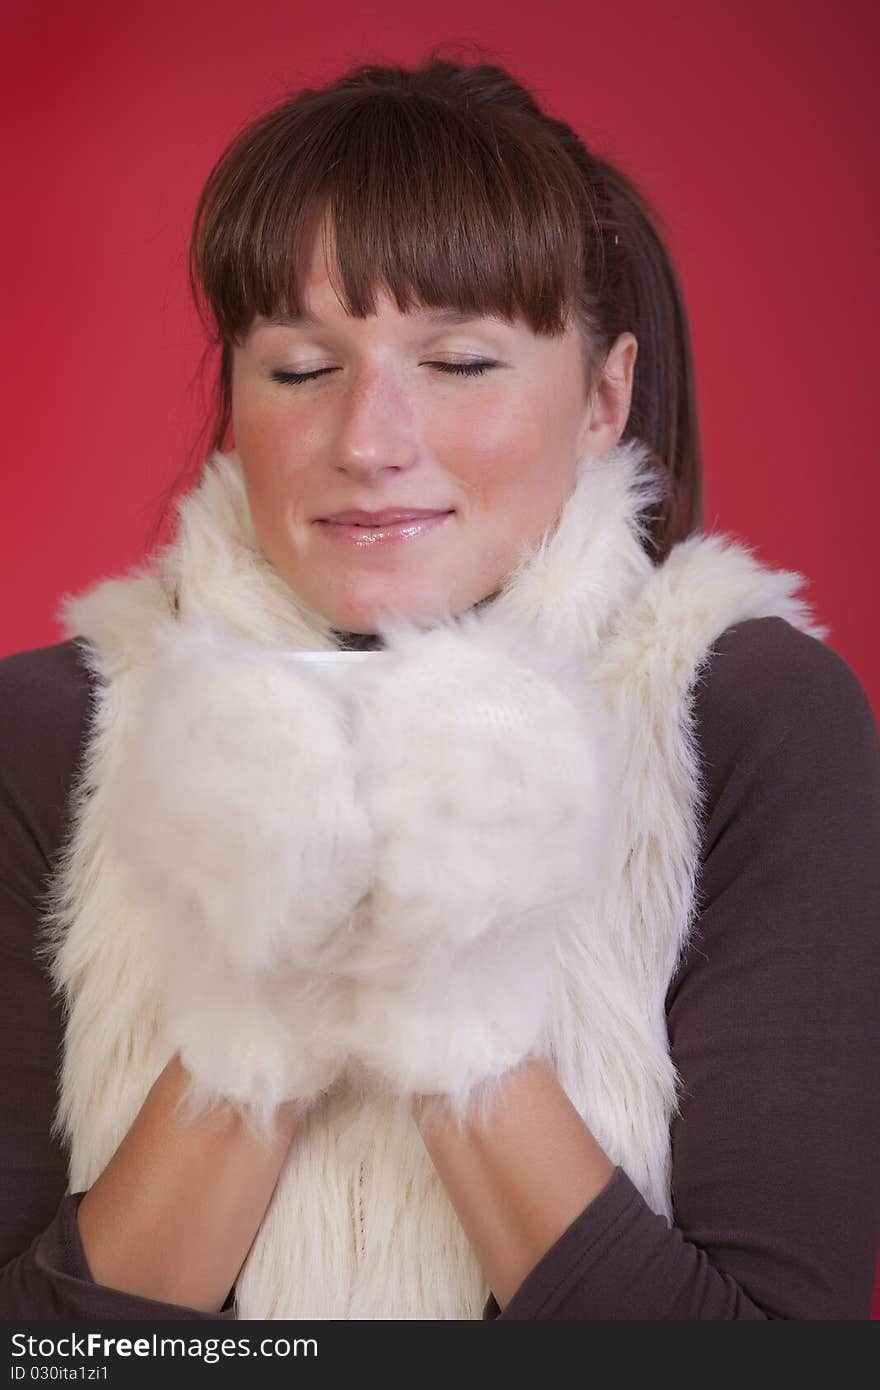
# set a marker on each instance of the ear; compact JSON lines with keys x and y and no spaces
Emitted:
{"x":610,"y":400}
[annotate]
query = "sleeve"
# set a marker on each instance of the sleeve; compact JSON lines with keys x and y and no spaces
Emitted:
{"x":44,"y":702}
{"x":773,"y":1023}
{"x":51,"y":1279}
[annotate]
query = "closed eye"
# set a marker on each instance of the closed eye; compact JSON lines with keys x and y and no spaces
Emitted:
{"x":458,"y":368}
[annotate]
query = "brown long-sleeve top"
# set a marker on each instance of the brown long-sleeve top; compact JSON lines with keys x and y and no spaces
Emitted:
{"x":773,"y":1016}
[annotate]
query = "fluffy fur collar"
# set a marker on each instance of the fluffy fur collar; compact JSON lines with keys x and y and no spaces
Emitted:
{"x":573,"y":579}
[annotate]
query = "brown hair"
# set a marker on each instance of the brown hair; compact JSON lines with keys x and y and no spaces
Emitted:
{"x":447,"y":185}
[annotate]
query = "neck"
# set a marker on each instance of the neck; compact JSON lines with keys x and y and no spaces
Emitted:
{"x":355,"y":641}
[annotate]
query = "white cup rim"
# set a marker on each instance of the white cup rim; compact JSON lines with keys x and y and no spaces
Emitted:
{"x":330,"y":656}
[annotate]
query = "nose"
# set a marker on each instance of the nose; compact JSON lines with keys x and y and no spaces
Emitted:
{"x":378,"y":428}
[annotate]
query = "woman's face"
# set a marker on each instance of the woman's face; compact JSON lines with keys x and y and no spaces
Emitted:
{"x":388,"y":425}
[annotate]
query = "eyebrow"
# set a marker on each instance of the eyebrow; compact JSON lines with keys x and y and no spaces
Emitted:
{"x":448,"y":317}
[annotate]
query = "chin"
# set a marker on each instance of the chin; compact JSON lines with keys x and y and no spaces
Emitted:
{"x":365,"y":618}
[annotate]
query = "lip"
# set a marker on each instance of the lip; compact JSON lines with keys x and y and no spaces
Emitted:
{"x":391,"y":533}
{"x":356,"y":517}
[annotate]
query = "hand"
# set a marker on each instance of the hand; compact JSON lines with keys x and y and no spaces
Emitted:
{"x":489,"y":768}
{"x":236,"y":816}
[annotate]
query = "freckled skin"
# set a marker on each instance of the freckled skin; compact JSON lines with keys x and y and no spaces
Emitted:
{"x":387,"y":429}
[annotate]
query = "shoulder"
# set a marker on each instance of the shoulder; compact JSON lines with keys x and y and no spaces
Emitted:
{"x":770,"y":694}
{"x":789,"y":757}
{"x":767,"y":660}
{"x":44,"y":674}
{"x":46,"y":697}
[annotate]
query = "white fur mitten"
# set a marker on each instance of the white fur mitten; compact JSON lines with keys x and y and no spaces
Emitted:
{"x":236,"y":816}
{"x":489,"y":769}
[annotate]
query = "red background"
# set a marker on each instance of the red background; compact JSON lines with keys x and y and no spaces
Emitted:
{"x":750,"y":127}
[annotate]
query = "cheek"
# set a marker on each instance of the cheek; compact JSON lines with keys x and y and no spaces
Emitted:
{"x":272,"y":469}
{"x":491,"y":447}
{"x":515,"y":467}
{"x":258,"y":436}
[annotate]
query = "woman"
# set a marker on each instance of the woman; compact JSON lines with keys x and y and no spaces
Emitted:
{"x":526,"y":966}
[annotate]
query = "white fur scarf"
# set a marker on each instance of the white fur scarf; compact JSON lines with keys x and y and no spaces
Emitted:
{"x":360,"y":1225}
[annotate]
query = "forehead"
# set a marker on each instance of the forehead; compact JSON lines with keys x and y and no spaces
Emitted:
{"x":425,"y":317}
{"x":321,"y":302}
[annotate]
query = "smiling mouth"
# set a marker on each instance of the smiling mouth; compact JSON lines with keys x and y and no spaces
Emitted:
{"x":367,"y":536}
{"x":390,"y":519}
